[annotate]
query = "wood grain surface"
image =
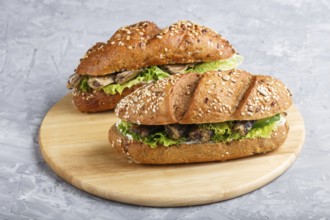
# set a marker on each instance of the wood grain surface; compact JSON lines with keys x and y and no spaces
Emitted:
{"x":76,"y":147}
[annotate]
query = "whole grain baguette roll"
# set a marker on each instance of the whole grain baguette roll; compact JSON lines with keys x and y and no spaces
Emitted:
{"x":142,"y":45}
{"x":205,"y":98}
{"x":197,"y":101}
{"x":192,"y":153}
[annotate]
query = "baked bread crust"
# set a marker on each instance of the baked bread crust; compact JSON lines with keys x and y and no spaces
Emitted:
{"x":218,"y":96}
{"x":98,"y":101}
{"x":144,"y":44}
{"x":192,"y":153}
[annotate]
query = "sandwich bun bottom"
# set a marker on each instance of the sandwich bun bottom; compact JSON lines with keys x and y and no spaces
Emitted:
{"x":192,"y":153}
{"x":98,"y":101}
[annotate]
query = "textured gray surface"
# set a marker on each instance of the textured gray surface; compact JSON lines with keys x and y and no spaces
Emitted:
{"x":41,"y":43}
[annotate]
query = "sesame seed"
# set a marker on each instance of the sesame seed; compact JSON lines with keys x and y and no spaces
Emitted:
{"x":118,"y":36}
{"x":262,"y":91}
{"x":142,"y":45}
{"x":226,"y":77}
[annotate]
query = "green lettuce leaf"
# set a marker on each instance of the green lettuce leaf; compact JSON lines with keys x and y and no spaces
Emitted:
{"x":222,"y":65}
{"x":124,"y":126}
{"x":147,"y":75}
{"x":222,"y":131}
{"x":266,"y":121}
{"x":263,"y":128}
{"x":160,"y":138}
{"x":84,"y":85}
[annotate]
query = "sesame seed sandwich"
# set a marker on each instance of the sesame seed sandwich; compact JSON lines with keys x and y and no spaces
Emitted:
{"x":142,"y":53}
{"x":215,"y":116}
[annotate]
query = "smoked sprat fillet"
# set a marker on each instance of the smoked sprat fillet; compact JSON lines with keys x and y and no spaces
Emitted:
{"x":190,"y":100}
{"x":133,"y":49}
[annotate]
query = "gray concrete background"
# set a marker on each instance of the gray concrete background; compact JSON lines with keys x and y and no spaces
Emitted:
{"x":40,"y":46}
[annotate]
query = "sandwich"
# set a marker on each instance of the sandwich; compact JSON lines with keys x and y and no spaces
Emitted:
{"x":142,"y":53}
{"x":215,"y":116}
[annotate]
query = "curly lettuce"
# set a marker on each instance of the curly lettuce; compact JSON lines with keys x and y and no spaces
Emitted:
{"x":262,"y":128}
{"x":159,"y":138}
{"x":149,"y":74}
{"x":84,"y":85}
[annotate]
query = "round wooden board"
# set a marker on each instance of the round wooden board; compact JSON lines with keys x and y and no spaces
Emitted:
{"x":76,"y":147}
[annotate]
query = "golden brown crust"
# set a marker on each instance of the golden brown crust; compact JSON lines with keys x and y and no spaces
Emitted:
{"x":219,"y":96}
{"x":150,"y":106}
{"x":144,"y":44}
{"x":98,"y":101}
{"x":265,"y":97}
{"x":192,"y":153}
{"x":236,"y":95}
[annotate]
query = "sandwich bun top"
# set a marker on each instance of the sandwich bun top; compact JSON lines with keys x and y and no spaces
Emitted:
{"x":144,"y":44}
{"x":205,"y":98}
